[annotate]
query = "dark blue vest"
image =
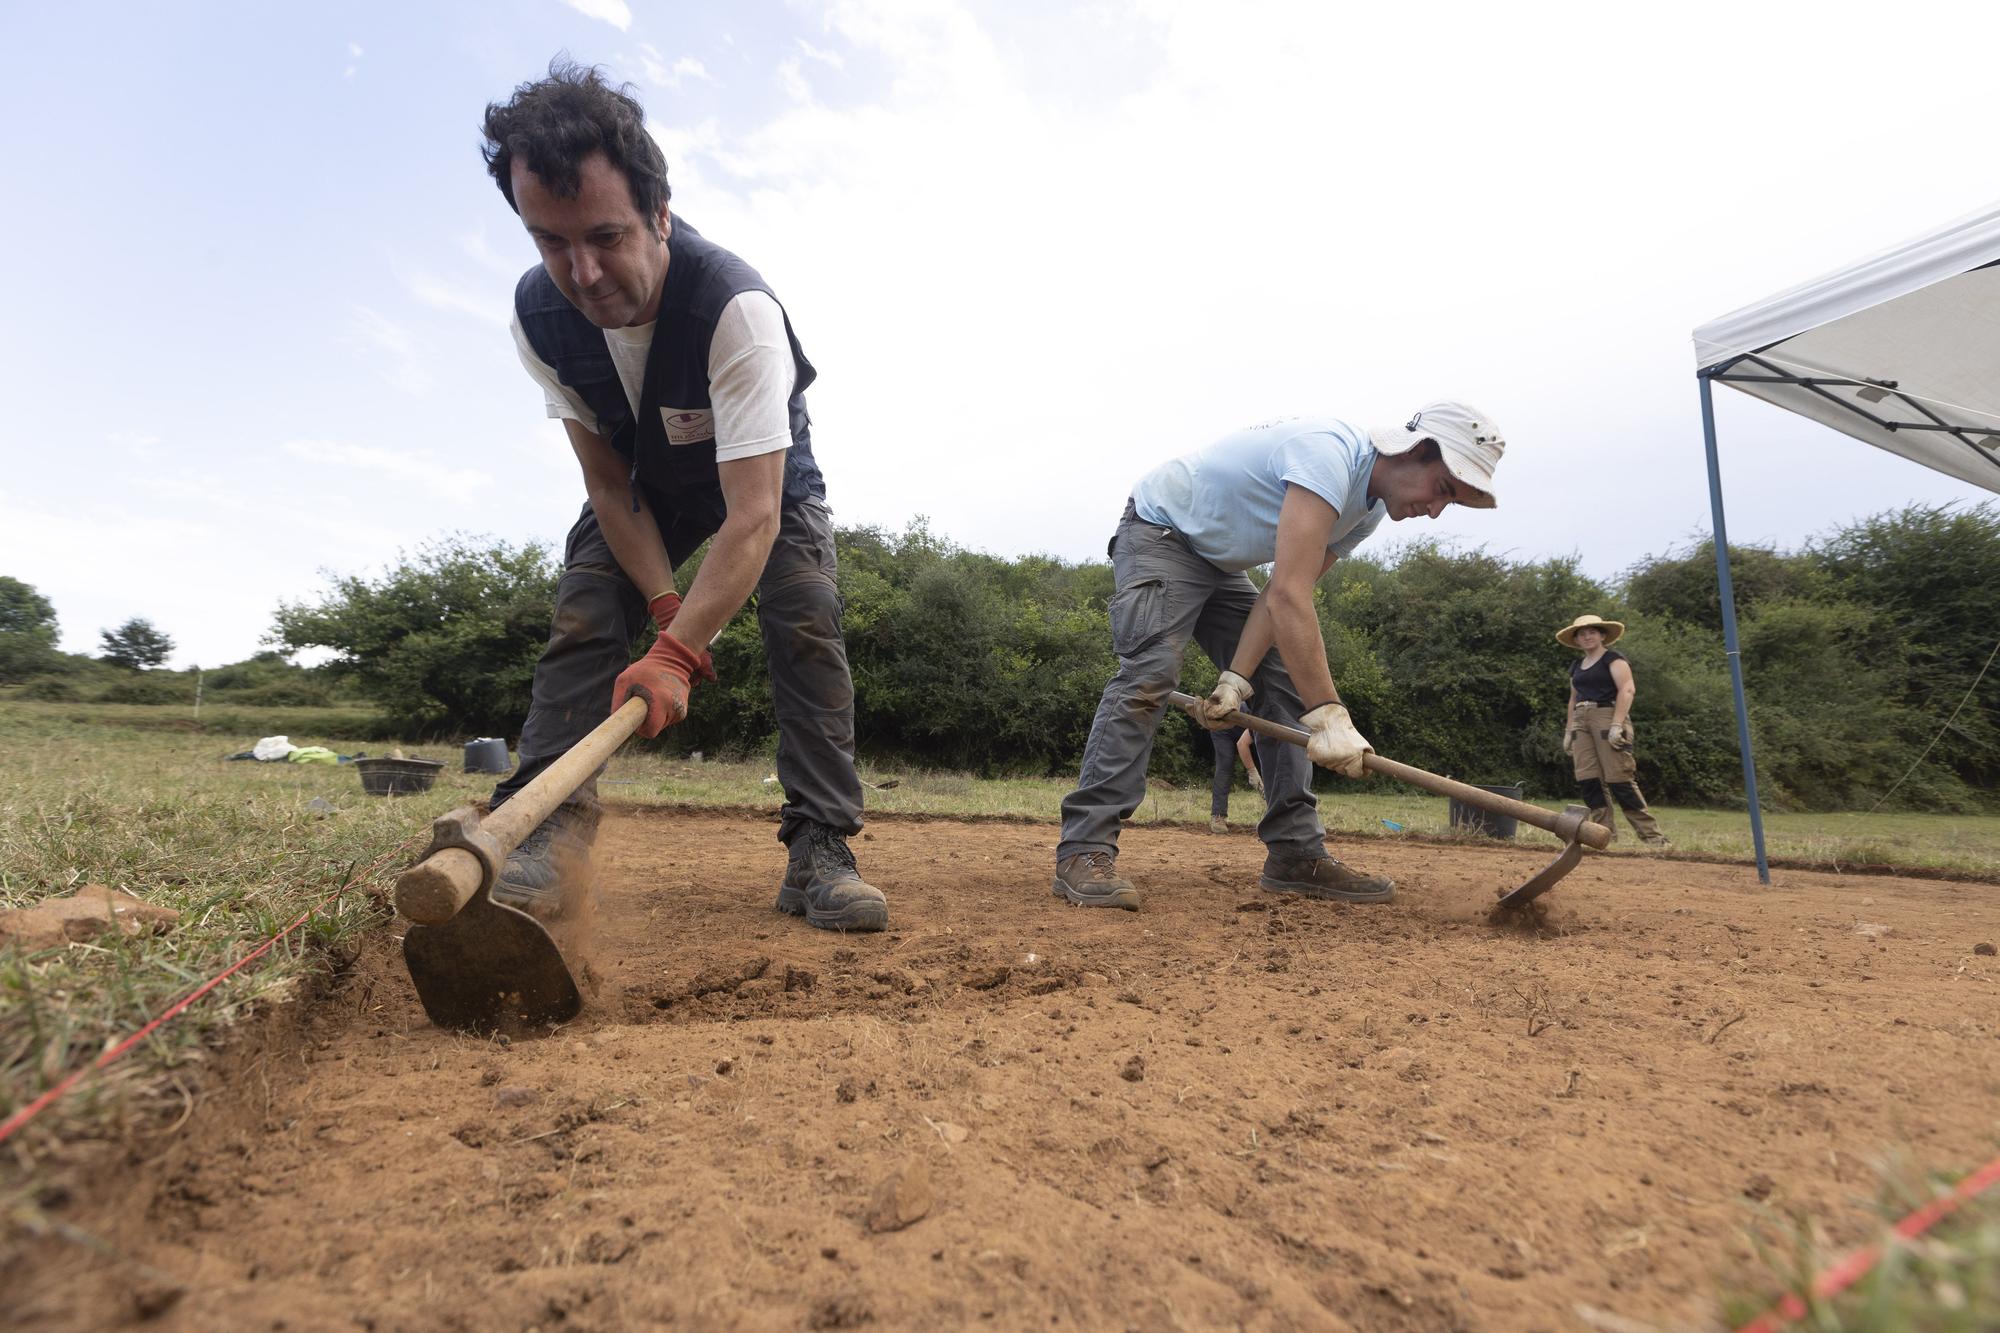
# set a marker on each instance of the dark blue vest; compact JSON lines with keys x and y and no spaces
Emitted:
{"x":679,"y":479}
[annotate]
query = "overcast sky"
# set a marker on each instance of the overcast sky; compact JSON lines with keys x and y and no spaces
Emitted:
{"x":260,"y":281}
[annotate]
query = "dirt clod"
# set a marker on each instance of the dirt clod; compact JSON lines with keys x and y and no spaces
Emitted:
{"x":726,"y":976}
{"x":89,"y":912}
{"x":988,"y":978}
{"x":903,"y":1197}
{"x":1984,"y":950}
{"x":1134,"y":1069}
{"x":508,"y":1097}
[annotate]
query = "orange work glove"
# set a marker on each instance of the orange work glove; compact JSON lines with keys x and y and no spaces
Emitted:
{"x":664,"y":608}
{"x":665,"y":675}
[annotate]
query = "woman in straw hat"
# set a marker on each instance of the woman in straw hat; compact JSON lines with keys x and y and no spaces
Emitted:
{"x":1598,"y":735}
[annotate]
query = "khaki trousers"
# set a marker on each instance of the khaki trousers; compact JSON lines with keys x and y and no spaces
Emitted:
{"x":1601,"y":765}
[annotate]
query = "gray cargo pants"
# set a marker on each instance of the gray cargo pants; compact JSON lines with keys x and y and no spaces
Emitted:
{"x":1166,"y":595}
{"x":599,"y":612}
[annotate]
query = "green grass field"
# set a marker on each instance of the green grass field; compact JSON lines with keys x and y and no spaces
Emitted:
{"x":1936,"y":844}
{"x":140,"y":798}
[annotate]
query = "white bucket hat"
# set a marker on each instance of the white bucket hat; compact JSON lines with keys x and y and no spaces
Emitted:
{"x":1466,"y":438}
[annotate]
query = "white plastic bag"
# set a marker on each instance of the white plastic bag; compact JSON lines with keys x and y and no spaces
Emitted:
{"x":272,"y":748}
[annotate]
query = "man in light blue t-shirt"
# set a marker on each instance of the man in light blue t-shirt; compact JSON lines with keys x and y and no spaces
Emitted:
{"x":1296,"y":494}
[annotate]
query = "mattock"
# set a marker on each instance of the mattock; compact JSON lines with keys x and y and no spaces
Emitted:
{"x":1576,"y":831}
{"x":478,"y":964}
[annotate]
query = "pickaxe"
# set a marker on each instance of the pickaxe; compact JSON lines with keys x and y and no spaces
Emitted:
{"x":1575,"y":830}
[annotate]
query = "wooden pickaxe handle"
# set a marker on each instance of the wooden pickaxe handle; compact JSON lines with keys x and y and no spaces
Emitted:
{"x":432,"y":891}
{"x":1591,"y":835}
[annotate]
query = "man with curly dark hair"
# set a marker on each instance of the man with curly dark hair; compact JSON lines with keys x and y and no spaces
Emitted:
{"x":681,"y":385}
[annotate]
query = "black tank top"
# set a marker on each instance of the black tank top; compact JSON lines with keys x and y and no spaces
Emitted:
{"x":1593,"y":684}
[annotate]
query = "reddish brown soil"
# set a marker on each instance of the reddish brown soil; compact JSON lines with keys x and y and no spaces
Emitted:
{"x":1228,"y":1110}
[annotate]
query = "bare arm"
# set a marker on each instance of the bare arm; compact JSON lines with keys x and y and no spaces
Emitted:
{"x":1286,"y":604}
{"x":1621,"y":676}
{"x":1246,"y":752}
{"x":751,"y":489}
{"x":1569,"y":715}
{"x":1259,"y":632}
{"x":634,"y":538}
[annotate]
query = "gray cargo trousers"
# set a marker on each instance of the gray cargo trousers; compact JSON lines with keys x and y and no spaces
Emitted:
{"x":599,"y":612}
{"x":1164,"y":596}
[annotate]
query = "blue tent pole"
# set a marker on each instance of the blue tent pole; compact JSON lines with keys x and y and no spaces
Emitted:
{"x":1729,"y":625}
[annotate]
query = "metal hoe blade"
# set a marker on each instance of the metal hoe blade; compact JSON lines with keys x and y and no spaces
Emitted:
{"x":490,"y":966}
{"x":1545,"y":880}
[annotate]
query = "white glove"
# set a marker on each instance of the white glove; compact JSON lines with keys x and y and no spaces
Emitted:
{"x":1569,"y":742}
{"x":1618,"y":735}
{"x":1335,"y":744}
{"x":1257,"y":781}
{"x":1231,"y":692}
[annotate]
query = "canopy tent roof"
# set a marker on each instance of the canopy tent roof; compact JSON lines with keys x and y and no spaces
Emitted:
{"x":1901,"y":349}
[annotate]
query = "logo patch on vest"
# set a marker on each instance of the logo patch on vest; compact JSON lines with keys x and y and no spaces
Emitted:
{"x":691,"y":426}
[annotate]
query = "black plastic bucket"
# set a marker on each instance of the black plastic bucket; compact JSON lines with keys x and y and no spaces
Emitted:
{"x":394,"y":777}
{"x":488,"y":754}
{"x":1472,"y":819}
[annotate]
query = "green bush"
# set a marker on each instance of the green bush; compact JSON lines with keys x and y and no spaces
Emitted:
{"x":50,"y":689}
{"x":1855,"y":650}
{"x":445,"y":642}
{"x":152,"y":688}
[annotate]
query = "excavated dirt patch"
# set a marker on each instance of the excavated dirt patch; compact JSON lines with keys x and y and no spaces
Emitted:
{"x":1230,"y":1109}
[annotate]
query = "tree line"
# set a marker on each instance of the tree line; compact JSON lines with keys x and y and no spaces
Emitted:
{"x":1857,"y":647}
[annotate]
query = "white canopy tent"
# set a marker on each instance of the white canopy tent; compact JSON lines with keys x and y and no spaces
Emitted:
{"x":1901,"y":349}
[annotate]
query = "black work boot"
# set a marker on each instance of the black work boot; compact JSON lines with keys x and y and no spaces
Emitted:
{"x":822,"y":885}
{"x":552,"y":864}
{"x":1090,"y":879}
{"x":1324,"y":877}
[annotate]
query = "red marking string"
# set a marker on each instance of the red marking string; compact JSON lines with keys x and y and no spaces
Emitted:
{"x":1852,"y":1267}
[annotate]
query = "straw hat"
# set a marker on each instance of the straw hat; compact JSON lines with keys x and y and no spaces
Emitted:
{"x":1566,"y":636}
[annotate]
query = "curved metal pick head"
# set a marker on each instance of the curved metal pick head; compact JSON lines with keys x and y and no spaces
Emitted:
{"x":1545,"y":880}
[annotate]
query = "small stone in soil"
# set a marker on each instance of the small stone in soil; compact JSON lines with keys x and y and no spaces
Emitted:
{"x":515,"y":1096}
{"x":1984,"y":950}
{"x":903,"y":1197}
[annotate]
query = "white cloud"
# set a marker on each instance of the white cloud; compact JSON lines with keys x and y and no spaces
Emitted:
{"x":615,"y":12}
{"x":483,"y":302}
{"x":656,"y":71}
{"x":811,"y":52}
{"x":354,"y":54}
{"x":134,"y":441}
{"x":405,"y":369}
{"x":791,"y":77}
{"x":1082,"y":245}
{"x":418,"y":469}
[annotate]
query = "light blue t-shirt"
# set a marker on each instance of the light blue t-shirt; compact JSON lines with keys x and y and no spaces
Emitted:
{"x":1225,"y":499}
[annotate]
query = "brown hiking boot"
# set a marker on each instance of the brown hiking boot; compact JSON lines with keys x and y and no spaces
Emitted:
{"x":1090,"y":879}
{"x":1324,"y":877}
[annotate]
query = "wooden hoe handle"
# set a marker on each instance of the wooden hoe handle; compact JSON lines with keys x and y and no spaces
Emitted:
{"x":432,"y":891}
{"x":1591,"y":835}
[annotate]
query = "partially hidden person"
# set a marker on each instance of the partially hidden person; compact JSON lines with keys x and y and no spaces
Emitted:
{"x":681,"y":384}
{"x":1298,"y":494}
{"x":1597,"y":732}
{"x":1232,"y":747}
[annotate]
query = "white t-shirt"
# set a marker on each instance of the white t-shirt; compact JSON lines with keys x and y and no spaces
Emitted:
{"x":750,"y":379}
